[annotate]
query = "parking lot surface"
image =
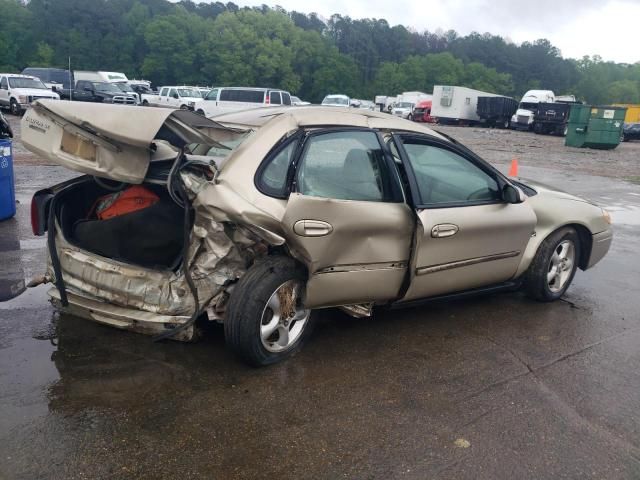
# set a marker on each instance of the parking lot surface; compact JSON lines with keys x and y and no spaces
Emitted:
{"x":484,"y":388}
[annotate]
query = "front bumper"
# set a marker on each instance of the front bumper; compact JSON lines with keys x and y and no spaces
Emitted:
{"x":601,"y":242}
{"x":83,"y":306}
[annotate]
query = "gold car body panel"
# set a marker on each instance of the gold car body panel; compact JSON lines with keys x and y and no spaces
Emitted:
{"x":360,"y":256}
{"x":484,"y":248}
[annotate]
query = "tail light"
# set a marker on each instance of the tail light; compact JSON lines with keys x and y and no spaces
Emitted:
{"x":35,"y":220}
{"x":267,"y":100}
{"x":39,"y":212}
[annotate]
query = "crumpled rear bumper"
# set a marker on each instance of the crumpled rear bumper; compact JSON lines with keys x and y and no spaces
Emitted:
{"x":134,"y":320}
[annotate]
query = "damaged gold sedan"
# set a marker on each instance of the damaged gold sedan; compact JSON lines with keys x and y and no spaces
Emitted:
{"x":257,"y":218}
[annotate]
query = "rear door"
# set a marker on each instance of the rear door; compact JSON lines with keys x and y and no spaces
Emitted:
{"x":347,"y":219}
{"x":467,"y":236}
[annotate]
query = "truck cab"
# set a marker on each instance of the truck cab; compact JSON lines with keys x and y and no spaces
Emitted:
{"x":18,"y":91}
{"x":97,"y":92}
{"x":524,"y":117}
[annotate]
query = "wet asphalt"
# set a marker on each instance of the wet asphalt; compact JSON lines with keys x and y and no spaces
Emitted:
{"x":496,"y":387}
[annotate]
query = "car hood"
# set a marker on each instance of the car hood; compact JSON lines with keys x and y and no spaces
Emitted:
{"x":108,"y":141}
{"x":34,"y":92}
{"x":549,"y":191}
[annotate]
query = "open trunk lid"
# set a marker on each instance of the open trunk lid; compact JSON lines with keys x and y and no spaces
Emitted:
{"x":110,"y":141}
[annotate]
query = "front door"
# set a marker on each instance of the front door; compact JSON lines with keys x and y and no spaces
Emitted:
{"x":467,"y":236}
{"x":347,"y":219}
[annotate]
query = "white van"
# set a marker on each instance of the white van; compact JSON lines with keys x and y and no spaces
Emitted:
{"x":18,"y":91}
{"x":232,"y":99}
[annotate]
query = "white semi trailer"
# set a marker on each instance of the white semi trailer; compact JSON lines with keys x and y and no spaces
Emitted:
{"x":456,"y":105}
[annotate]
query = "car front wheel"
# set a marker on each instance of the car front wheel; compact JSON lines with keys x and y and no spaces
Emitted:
{"x":15,"y":107}
{"x":554,"y":266}
{"x":266,"y":321}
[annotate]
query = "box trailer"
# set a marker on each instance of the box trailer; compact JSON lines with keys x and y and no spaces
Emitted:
{"x":496,"y":111}
{"x":456,"y":105}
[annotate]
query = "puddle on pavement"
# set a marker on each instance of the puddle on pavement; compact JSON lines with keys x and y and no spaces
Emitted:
{"x":624,"y":214}
{"x":12,"y":281}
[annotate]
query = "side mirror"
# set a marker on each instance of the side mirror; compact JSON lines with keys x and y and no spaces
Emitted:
{"x":512,"y":194}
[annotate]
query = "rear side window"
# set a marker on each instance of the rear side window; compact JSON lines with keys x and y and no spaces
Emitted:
{"x":272,"y":178}
{"x":164,"y":91}
{"x":172,"y":92}
{"x":3,"y":83}
{"x":274,"y":98}
{"x":286,"y":98}
{"x":345,"y":166}
{"x":246,"y":96}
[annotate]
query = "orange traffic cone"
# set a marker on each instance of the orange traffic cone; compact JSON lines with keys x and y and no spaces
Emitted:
{"x":513,"y":171}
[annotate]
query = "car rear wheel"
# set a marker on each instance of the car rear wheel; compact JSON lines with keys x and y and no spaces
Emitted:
{"x":554,"y":266}
{"x":145,"y":103}
{"x":15,"y":107}
{"x":265,"y":320}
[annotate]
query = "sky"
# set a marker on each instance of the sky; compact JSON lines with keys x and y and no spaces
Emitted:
{"x":609,"y":28}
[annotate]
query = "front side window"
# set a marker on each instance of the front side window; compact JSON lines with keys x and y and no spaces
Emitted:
{"x":286,"y":98}
{"x":274,"y":98}
{"x":173,"y":93}
{"x":346,"y":166}
{"x":445,"y":177}
{"x":212,"y":95}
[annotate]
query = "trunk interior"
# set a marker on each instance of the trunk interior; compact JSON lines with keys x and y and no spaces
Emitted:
{"x":151,"y":237}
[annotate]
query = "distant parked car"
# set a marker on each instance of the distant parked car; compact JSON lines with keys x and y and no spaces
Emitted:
{"x":97,"y":92}
{"x":336,"y":101}
{"x":297,"y":102}
{"x":630,"y":131}
{"x":367,"y":105}
{"x":403,"y":110}
{"x":183,"y":98}
{"x":232,"y":99}
{"x":51,"y":77}
{"x":18,"y":91}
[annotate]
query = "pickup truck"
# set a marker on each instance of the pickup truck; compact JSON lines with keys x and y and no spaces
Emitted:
{"x":97,"y":92}
{"x":183,"y":98}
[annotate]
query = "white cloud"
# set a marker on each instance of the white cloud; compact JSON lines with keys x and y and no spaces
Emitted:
{"x":578,"y":27}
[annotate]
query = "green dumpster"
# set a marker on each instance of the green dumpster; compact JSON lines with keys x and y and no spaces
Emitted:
{"x":595,"y":126}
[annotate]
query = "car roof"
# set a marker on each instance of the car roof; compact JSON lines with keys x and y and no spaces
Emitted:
{"x":257,"y":89}
{"x":18,"y":75}
{"x":317,"y":115}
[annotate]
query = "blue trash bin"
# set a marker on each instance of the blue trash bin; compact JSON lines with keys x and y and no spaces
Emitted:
{"x":7,"y":186}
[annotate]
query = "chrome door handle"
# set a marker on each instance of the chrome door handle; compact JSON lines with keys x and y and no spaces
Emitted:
{"x":444,"y":230}
{"x":312,"y":228}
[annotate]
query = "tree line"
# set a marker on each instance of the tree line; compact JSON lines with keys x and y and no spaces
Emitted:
{"x":222,"y":44}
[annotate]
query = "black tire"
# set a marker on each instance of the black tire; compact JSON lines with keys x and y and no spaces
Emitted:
{"x":184,"y":107}
{"x":410,"y":117}
{"x":248,"y":306}
{"x":200,"y":112}
{"x":536,"y":283}
{"x":505,"y":124}
{"x":145,"y":103}
{"x":14,"y":107}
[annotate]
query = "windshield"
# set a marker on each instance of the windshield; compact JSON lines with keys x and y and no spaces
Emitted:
{"x":106,"y":87}
{"x":405,"y":105}
{"x":335,"y":101}
{"x":125,"y":88}
{"x":187,"y":92}
{"x":23,"y":82}
{"x":528,"y":106}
